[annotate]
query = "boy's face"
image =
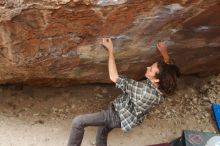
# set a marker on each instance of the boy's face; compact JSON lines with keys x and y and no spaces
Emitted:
{"x":151,"y":71}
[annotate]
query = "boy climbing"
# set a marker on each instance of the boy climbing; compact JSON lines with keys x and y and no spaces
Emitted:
{"x":130,"y":108}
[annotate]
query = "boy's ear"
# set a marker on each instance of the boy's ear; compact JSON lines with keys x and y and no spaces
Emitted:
{"x":156,"y":80}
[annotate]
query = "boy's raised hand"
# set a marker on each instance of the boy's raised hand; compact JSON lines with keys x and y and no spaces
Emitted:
{"x":107,"y":43}
{"x":162,"y":47}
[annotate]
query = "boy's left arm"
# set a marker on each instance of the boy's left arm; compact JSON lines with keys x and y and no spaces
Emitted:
{"x":162,"y":47}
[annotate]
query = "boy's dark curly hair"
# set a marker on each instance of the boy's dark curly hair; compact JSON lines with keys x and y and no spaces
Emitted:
{"x":167,"y":75}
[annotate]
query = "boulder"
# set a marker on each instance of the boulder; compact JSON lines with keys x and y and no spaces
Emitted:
{"x":57,"y":43}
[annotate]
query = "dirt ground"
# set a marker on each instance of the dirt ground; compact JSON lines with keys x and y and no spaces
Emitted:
{"x":42,"y":116}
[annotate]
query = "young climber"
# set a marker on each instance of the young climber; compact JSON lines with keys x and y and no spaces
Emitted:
{"x":130,"y":108}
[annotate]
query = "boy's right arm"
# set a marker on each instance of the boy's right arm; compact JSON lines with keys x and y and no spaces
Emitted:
{"x":113,"y":72}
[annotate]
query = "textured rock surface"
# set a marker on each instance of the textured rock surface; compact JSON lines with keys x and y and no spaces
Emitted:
{"x":56,"y":43}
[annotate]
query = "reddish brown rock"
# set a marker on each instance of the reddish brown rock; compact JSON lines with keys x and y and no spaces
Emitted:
{"x":56,"y":43}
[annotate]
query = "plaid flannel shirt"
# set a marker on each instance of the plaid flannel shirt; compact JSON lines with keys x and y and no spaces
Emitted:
{"x":137,"y":99}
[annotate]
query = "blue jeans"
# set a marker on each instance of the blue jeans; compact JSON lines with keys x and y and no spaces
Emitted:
{"x":106,"y":120}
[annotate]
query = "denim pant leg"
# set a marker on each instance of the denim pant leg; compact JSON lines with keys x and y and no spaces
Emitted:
{"x":102,"y":135}
{"x":113,"y":121}
{"x":80,"y":122}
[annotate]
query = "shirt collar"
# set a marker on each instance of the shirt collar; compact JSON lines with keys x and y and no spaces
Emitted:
{"x":148,"y":81}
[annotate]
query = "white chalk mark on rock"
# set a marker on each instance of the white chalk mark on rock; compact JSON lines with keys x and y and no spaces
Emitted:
{"x":110,"y":2}
{"x":121,"y":37}
{"x":202,"y":28}
{"x":174,"y":8}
